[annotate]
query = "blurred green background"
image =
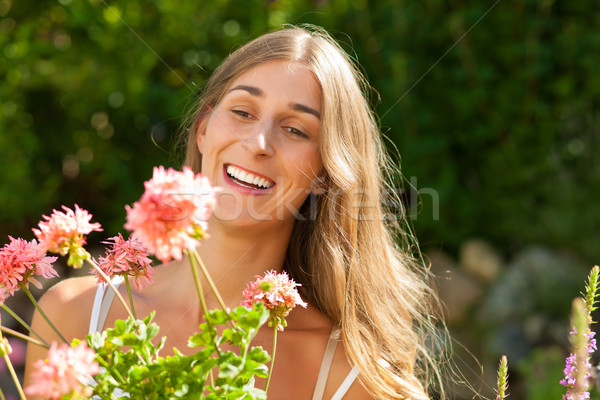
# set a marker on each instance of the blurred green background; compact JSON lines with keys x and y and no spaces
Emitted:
{"x":493,"y":106}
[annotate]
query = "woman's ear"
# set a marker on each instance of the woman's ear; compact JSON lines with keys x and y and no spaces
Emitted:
{"x":200,"y":137}
{"x":201,"y":129}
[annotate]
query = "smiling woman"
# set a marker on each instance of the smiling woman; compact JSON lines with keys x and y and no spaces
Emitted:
{"x":287,"y":112}
{"x":284,"y":129}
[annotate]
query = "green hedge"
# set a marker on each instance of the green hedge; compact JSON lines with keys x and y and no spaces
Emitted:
{"x":492,"y":105}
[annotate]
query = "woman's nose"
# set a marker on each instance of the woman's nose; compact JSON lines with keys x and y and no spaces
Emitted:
{"x":259,"y":141}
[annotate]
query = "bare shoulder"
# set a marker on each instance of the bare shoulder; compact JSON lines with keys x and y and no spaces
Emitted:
{"x":68,"y":305}
{"x":341,"y":370}
{"x":70,"y":288}
{"x":69,"y":300}
{"x":309,"y":336}
{"x":342,"y":366}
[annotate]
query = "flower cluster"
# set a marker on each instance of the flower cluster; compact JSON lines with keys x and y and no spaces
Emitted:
{"x":126,"y":257}
{"x":172,"y":214}
{"x":279,"y":294}
{"x":572,"y":366}
{"x":20,"y":262}
{"x":577,"y":365}
{"x":64,"y":233}
{"x":65,"y":371}
{"x":170,"y":219}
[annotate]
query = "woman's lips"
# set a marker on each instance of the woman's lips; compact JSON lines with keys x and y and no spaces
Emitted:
{"x":248,"y":180}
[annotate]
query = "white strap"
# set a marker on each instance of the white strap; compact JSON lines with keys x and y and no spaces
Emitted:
{"x":326,"y":363}
{"x":96,"y":309}
{"x":102,"y":302}
{"x":345,"y":386}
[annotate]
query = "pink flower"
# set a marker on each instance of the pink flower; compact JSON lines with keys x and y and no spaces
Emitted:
{"x":63,"y":372}
{"x":570,"y":371}
{"x":4,"y":294}
{"x":573,"y":362}
{"x":172,"y":214}
{"x":279,"y":294}
{"x":126,"y":257}
{"x":20,"y":262}
{"x":64,"y":233}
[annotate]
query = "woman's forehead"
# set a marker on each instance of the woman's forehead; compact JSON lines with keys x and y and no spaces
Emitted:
{"x":280,"y":77}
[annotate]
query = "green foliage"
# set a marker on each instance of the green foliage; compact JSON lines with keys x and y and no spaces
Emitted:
{"x":499,"y":123}
{"x":132,"y":362}
{"x":542,"y":370}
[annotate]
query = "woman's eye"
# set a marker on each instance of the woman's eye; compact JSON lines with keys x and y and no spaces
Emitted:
{"x":296,"y":132}
{"x":242,"y":114}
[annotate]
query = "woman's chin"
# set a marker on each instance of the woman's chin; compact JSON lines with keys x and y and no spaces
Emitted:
{"x":251,"y":222}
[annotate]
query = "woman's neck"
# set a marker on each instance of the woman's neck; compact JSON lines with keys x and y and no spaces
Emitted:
{"x":234,"y":257}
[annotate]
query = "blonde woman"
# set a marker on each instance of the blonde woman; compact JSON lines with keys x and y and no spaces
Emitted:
{"x":284,"y":128}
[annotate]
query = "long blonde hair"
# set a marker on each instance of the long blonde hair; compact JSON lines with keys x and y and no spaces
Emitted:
{"x":343,"y":250}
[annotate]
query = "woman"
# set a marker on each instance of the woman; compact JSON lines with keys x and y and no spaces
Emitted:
{"x":284,"y":128}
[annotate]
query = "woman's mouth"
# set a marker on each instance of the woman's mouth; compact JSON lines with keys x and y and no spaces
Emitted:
{"x":247,"y":179}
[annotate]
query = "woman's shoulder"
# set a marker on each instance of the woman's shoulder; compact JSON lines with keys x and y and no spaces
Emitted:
{"x":68,"y":306}
{"x":71,"y":289}
{"x":342,"y":372}
{"x":310,"y":333}
{"x":68,"y":303}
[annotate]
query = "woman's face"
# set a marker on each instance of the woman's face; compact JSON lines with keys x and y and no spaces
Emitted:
{"x":261,"y":143}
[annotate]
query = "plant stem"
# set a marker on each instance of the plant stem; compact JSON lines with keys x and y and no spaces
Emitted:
{"x":14,"y":376}
{"x":272,"y":357}
{"x":198,"y":285}
{"x":19,"y":320}
{"x":107,"y":279}
{"x":42,"y":313}
{"x":210,"y":281}
{"x":2,"y":395}
{"x":23,"y":337}
{"x":130,"y":298}
{"x":204,"y":308}
{"x":111,"y":369}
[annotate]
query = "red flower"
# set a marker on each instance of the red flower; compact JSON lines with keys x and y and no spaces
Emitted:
{"x":172,"y":214}
{"x":64,"y":233}
{"x":126,"y":257}
{"x":20,"y":262}
{"x":279,"y":294}
{"x":63,"y":372}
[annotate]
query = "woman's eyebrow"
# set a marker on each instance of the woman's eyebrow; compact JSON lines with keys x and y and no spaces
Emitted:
{"x":306,"y":109}
{"x":253,"y":90}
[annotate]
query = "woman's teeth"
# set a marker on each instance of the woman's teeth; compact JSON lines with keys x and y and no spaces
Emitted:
{"x":248,"y":178}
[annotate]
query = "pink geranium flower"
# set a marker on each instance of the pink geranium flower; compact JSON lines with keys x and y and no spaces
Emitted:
{"x":64,"y":233}
{"x":279,"y":294}
{"x":63,"y":372}
{"x":20,"y":262}
{"x":126,"y":257}
{"x":172,"y":214}
{"x":4,"y":294}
